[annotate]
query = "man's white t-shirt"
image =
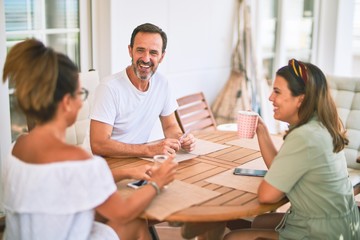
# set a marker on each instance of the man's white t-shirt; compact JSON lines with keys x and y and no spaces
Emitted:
{"x":132,"y":113}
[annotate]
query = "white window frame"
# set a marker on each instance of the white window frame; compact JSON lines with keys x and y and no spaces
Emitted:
{"x":5,"y":133}
{"x":83,"y":31}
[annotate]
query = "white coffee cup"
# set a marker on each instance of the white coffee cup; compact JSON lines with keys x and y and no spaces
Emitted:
{"x":159,"y":159}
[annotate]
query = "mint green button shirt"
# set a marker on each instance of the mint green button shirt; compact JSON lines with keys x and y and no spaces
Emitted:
{"x":316,"y":182}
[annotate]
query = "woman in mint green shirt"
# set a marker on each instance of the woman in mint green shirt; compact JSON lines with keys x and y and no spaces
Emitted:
{"x":310,"y":168}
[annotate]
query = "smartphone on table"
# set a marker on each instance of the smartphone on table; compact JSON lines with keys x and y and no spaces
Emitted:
{"x":137,"y":184}
{"x":249,"y":172}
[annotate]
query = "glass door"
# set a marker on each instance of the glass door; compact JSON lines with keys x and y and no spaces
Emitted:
{"x":287,"y":30}
{"x":54,"y":22}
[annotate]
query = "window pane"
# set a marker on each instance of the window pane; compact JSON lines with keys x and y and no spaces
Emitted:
{"x":293,"y":40}
{"x":268,"y":66}
{"x":21,"y":15}
{"x":356,"y":39}
{"x":356,"y":28}
{"x":62,"y":14}
{"x":269,"y":13}
{"x":67,"y":43}
{"x":298,"y":29}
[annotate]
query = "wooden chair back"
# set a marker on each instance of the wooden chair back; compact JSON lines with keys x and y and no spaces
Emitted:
{"x":194,"y":113}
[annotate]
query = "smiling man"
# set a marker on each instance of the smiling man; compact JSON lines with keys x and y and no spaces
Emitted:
{"x":128,"y":104}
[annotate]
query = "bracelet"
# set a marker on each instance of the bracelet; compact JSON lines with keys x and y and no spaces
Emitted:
{"x":154,"y":185}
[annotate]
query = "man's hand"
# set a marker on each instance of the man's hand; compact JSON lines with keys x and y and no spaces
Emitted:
{"x":188,"y":142}
{"x":167,"y":146}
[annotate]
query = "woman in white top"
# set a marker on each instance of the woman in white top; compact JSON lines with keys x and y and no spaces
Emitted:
{"x":52,"y":190}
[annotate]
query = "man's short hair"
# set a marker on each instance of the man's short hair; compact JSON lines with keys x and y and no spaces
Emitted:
{"x":149,"y":28}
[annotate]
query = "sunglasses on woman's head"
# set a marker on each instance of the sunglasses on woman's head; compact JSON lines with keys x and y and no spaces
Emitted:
{"x":298,"y":69}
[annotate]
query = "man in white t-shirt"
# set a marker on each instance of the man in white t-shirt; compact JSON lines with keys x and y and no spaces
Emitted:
{"x":127,"y":104}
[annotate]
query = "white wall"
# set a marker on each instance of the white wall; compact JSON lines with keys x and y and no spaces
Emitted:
{"x":198,"y":56}
{"x":199,"y":40}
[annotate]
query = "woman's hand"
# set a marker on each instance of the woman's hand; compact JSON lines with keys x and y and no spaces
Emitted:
{"x":165,"y":173}
{"x":140,"y":172}
{"x":261,"y":127}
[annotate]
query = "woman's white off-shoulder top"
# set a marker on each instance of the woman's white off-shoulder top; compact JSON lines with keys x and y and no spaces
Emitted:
{"x":55,"y":200}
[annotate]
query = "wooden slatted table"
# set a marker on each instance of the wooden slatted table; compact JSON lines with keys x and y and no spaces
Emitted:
{"x":232,"y":204}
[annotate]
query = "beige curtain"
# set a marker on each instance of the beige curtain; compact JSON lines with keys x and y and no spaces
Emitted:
{"x":240,"y":91}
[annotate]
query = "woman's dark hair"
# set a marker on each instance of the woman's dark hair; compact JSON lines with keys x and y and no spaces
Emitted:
{"x":41,"y":76}
{"x":309,"y":80}
{"x":149,"y":28}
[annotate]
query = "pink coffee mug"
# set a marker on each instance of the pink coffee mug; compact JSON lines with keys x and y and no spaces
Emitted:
{"x":247,"y":123}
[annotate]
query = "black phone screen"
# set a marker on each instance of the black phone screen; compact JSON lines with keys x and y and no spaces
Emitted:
{"x":249,"y":172}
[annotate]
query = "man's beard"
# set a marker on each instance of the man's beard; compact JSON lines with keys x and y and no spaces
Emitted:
{"x":141,"y":76}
